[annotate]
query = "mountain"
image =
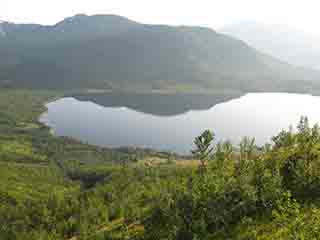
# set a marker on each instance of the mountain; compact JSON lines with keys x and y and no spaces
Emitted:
{"x":109,"y":51}
{"x":282,"y":42}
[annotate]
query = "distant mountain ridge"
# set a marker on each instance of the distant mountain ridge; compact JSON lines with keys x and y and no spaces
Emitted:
{"x":113,"y":52}
{"x":282,"y":42}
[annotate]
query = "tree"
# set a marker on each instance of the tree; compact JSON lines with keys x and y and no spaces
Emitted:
{"x":203,"y":148}
{"x":247,"y":147}
{"x":224,"y":151}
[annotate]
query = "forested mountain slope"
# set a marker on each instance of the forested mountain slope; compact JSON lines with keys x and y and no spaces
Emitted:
{"x":108,"y":51}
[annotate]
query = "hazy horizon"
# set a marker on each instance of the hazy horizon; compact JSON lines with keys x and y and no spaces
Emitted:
{"x":212,"y":14}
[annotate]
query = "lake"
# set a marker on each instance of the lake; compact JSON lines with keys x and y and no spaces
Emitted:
{"x":170,"y":122}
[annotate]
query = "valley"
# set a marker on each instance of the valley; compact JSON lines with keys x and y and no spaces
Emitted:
{"x":114,"y":129}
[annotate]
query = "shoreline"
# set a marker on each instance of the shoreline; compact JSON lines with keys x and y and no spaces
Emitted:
{"x":51,"y":131}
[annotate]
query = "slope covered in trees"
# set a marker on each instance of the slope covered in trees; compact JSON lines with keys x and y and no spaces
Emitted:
{"x":58,"y":188}
{"x":112,"y":52}
{"x":39,"y":181}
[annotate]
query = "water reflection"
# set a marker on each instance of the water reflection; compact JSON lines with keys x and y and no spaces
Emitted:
{"x":171,"y":122}
{"x":158,"y":104}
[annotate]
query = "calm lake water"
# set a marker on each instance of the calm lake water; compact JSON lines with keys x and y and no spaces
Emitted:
{"x":170,"y":122}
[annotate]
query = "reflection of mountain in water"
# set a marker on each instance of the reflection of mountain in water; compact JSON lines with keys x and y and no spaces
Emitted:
{"x":157,"y":104}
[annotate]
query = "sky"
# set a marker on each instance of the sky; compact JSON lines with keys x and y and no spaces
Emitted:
{"x":302,"y":15}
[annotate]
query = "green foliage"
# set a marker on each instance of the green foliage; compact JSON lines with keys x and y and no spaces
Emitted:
{"x":299,"y":156}
{"x":203,"y":148}
{"x":289,"y":221}
{"x":246,"y":195}
{"x":59,"y":188}
{"x":44,"y":179}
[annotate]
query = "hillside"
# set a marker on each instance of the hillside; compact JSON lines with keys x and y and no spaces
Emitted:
{"x":112,"y":52}
{"x":282,"y":42}
{"x":58,"y":188}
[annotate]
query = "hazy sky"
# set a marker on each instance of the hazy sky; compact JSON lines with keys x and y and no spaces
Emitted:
{"x":303,"y":15}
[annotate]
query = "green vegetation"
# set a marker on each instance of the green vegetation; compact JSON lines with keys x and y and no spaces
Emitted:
{"x":59,"y":188}
{"x":42,"y":176}
{"x":109,"y":52}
